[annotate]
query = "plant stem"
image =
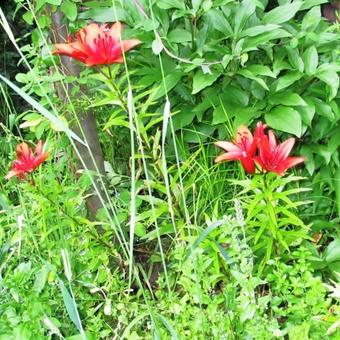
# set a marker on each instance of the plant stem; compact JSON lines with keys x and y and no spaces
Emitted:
{"x":271,"y":213}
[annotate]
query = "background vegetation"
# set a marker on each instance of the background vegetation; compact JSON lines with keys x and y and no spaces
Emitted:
{"x":129,"y":230}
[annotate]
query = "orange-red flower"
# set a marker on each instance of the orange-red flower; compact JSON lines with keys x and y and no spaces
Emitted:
{"x":242,"y":149}
{"x":97,"y":45}
{"x":273,"y":157}
{"x":259,"y":149}
{"x":27,"y":161}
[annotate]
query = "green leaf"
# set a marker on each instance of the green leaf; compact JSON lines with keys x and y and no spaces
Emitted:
{"x":4,"y":202}
{"x":284,"y":119}
{"x":104,"y":14}
{"x":287,"y":98}
{"x":262,"y":70}
{"x":53,"y":2}
{"x":281,"y":14}
{"x":71,"y":306}
{"x":307,"y":112}
{"x":219,"y":115}
{"x":168,"y":4}
{"x":171,"y":81}
{"x":57,"y":121}
{"x":41,"y":278}
{"x":179,"y":35}
{"x":323,"y":109}
{"x":246,"y":73}
{"x":257,"y":30}
{"x":253,"y":42}
{"x":295,"y":59}
{"x":337,"y":188}
{"x":311,"y":59}
{"x":219,"y":22}
{"x":202,"y":80}
{"x":288,"y":79}
{"x":332,"y":252}
{"x":69,"y":8}
{"x":328,"y":74}
{"x":311,"y":3}
{"x":244,"y":11}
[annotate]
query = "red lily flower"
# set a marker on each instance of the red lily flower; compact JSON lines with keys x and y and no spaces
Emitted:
{"x":27,"y":161}
{"x":273,"y":157}
{"x":97,"y":45}
{"x":243,"y":148}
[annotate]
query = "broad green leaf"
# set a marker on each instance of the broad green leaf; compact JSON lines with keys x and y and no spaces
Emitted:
{"x":311,"y":3}
{"x":219,"y":115}
{"x":332,"y":252}
{"x":69,"y":8}
{"x":284,"y":119}
{"x":179,"y":35}
{"x":183,"y":118}
{"x":311,"y":59}
{"x":323,"y":109}
{"x":41,"y":278}
{"x":202,"y":80}
{"x":196,"y":4}
{"x":262,"y":70}
{"x":307,"y":112}
{"x":288,"y":79}
{"x":246,"y":73}
{"x":295,"y":59}
{"x":53,"y":2}
{"x":257,"y":30}
{"x":219,"y":22}
{"x":244,"y":11}
{"x":168,"y":4}
{"x":253,"y":42}
{"x":328,"y":74}
{"x":287,"y":98}
{"x":4,"y":202}
{"x":171,"y":81}
{"x":281,"y":14}
{"x":103,"y":14}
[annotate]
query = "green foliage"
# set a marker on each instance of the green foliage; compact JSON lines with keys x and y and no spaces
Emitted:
{"x":272,"y":224}
{"x":182,"y":248}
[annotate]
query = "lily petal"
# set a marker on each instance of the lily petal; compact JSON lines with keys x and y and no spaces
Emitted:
{"x":227,"y":146}
{"x":229,"y":156}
